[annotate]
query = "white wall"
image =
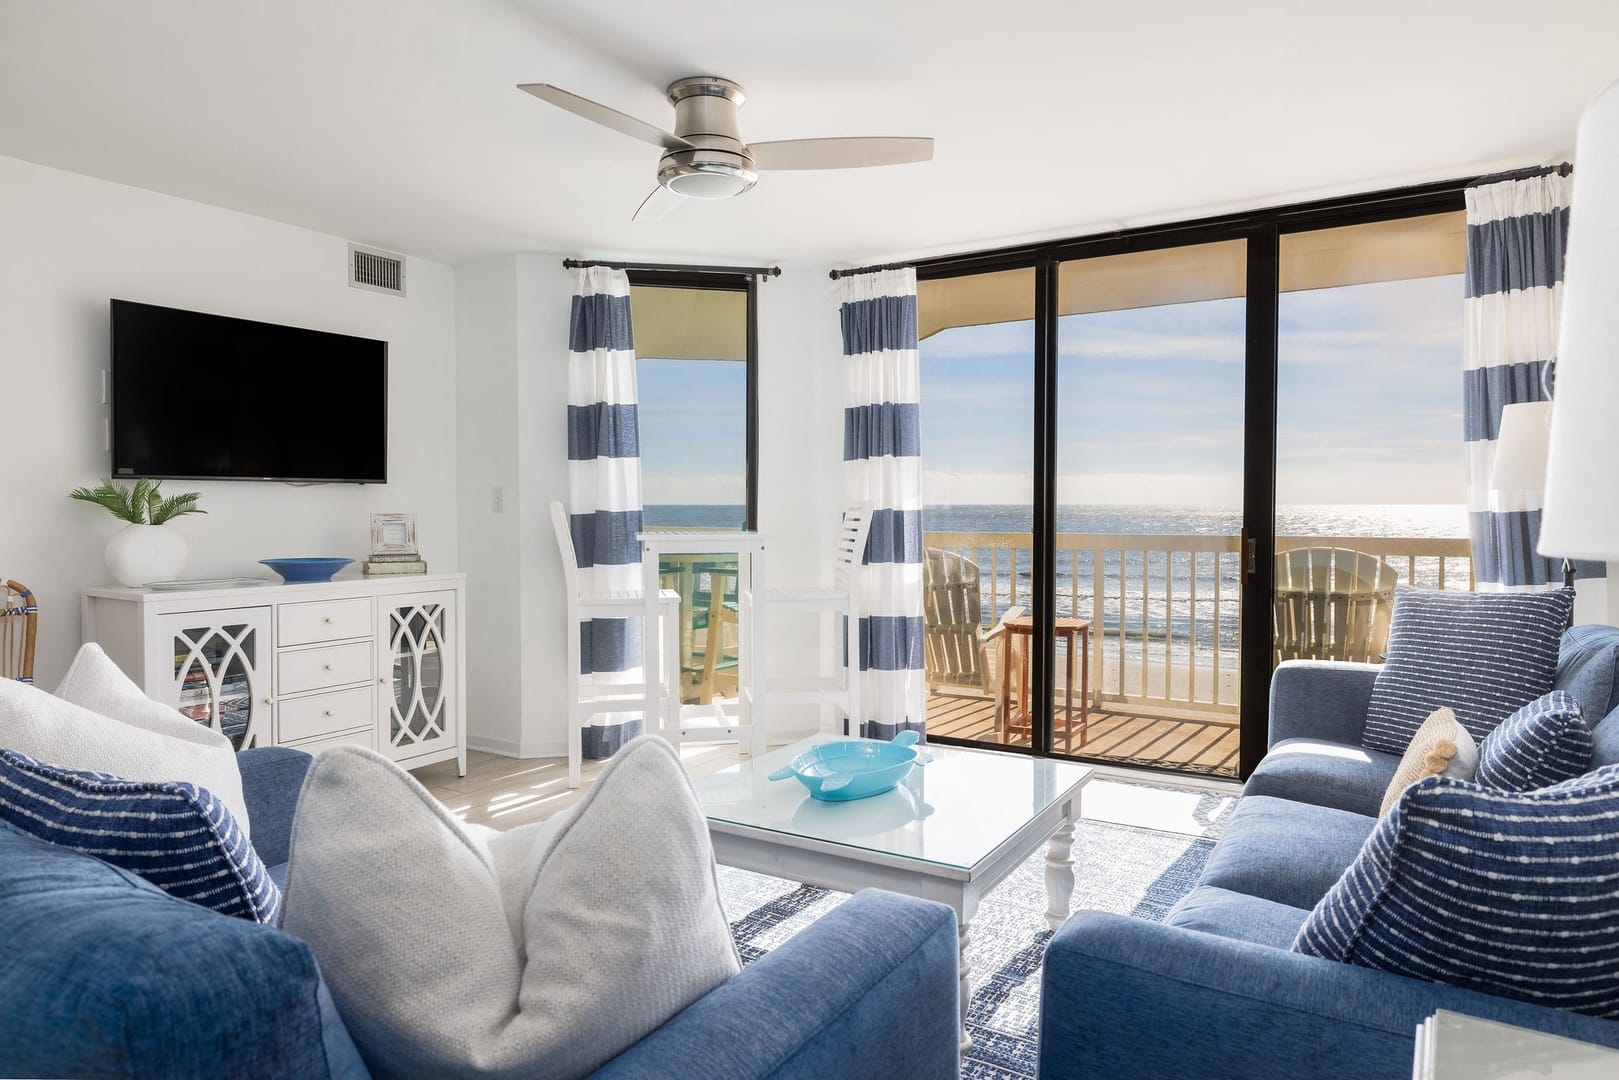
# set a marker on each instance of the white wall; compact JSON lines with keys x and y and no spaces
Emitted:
{"x":512,"y":331}
{"x":486,"y":458}
{"x":68,"y":243}
{"x":800,"y":456}
{"x":545,"y":292}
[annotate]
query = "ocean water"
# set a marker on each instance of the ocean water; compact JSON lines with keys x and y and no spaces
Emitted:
{"x":692,"y":516}
{"x":1165,"y":620}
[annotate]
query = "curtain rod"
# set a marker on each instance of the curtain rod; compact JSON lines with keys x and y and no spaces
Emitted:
{"x":1026,"y":254}
{"x":755,"y":271}
{"x":852,"y":271}
{"x":1561,"y":169}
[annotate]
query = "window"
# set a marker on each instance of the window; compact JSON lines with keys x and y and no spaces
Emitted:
{"x":695,"y":360}
{"x":694,"y":368}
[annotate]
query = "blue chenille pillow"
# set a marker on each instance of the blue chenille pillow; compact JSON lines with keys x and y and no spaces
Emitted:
{"x":1506,"y":892}
{"x":175,"y":835}
{"x":1482,"y":655}
{"x":1543,"y":743}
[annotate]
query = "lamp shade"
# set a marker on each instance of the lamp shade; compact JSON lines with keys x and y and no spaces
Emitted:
{"x":1520,"y":450}
{"x":1581,"y":517}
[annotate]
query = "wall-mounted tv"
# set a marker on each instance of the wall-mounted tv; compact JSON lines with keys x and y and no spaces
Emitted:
{"x":208,"y":397}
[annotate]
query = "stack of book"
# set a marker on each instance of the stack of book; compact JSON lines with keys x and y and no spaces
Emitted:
{"x":381,"y":565}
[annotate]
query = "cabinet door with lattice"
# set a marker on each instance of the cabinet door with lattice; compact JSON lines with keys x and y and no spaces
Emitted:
{"x":219,"y":675}
{"x":418,"y":701}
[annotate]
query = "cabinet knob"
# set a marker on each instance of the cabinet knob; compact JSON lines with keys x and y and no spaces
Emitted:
{"x":330,"y":620}
{"x":384,"y":679}
{"x":269,"y":701}
{"x":331,"y":712}
{"x":331,"y":667}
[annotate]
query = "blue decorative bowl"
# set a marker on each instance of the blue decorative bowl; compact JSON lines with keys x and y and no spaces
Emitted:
{"x":306,"y":569}
{"x":855,"y":768}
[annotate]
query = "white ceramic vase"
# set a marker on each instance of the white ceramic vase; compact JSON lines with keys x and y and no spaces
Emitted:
{"x":138,"y":554}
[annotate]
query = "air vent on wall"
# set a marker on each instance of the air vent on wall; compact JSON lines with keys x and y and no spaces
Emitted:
{"x":380,"y":271}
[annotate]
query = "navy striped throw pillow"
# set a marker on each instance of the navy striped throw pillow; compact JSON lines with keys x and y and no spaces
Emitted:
{"x":177,"y":836}
{"x":1506,"y":892}
{"x":1543,"y":743}
{"x":1481,"y":655}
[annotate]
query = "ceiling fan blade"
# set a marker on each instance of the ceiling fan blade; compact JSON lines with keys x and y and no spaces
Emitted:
{"x":656,"y":205}
{"x":596,"y":112}
{"x":856,"y":153}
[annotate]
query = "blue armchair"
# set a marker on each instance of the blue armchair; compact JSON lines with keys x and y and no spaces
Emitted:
{"x":1214,"y":991}
{"x":107,"y":976}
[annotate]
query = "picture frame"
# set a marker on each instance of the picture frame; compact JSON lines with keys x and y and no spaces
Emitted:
{"x":393,"y":534}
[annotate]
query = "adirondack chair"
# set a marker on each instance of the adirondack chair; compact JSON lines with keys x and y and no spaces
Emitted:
{"x":956,"y":652}
{"x":1332,"y":604}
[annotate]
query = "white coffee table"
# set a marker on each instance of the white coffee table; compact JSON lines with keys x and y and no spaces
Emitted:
{"x":949,"y":833}
{"x":1455,"y":1046}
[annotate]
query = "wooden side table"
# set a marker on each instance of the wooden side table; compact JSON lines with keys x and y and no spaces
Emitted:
{"x":1076,"y":637}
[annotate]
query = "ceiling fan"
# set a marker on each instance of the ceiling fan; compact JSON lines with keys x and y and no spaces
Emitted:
{"x":705,"y":157}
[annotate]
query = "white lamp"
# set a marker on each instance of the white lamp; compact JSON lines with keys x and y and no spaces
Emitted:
{"x":1520,"y":449}
{"x":1581,"y":518}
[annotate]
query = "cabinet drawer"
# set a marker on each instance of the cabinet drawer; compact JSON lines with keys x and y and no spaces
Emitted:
{"x":322,"y":620}
{"x":366,"y":737}
{"x":323,"y":714}
{"x":315,"y":669}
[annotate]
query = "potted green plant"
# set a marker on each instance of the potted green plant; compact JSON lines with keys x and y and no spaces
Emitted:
{"x":143,"y":550}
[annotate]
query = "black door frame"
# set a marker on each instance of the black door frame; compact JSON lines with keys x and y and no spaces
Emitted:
{"x":1262,"y":230}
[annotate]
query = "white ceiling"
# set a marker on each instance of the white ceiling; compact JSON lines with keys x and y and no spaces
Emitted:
{"x":395,"y":122}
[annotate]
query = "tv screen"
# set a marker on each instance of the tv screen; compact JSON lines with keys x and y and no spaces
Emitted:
{"x":208,"y":397}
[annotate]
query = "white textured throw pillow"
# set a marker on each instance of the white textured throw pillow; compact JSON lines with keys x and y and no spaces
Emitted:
{"x":107,"y":725}
{"x":454,"y":950}
{"x":94,"y":682}
{"x":1441,"y":747}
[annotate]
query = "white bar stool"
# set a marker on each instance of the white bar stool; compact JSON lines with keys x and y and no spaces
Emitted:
{"x":838,"y":685}
{"x":620,"y":604}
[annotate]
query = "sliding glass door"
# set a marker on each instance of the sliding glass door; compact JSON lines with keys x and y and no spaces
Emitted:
{"x":978,"y":381}
{"x":1128,"y":441}
{"x":1149,"y":506}
{"x":1371,"y":482}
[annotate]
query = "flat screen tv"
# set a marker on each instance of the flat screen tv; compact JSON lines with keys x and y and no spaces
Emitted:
{"x":208,"y":397}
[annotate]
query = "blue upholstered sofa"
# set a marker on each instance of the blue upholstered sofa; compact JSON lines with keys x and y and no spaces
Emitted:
{"x":103,"y":975}
{"x":1214,"y":990}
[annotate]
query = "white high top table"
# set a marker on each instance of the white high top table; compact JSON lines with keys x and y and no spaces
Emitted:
{"x":950,"y":832}
{"x":743,"y":719}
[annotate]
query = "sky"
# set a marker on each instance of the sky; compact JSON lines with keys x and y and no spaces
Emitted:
{"x":1150,"y":402}
{"x":693,"y":417}
{"x":1150,"y":406}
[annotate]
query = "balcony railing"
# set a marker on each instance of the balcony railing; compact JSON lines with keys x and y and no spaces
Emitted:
{"x":1164,"y":609}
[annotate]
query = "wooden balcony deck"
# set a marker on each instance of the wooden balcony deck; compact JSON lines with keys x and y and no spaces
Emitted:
{"x":1201,"y":743}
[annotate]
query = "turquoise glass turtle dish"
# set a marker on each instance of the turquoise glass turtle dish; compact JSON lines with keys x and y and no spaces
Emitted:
{"x":854,"y":768}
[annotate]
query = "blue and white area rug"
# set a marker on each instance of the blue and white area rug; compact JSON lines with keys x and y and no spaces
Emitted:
{"x":1117,"y":868}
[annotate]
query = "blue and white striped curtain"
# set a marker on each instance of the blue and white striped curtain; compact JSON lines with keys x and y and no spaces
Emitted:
{"x":1517,"y":231}
{"x":882,"y":464}
{"x":604,"y":483}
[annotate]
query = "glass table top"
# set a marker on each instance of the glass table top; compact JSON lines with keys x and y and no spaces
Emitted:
{"x":1454,"y":1046}
{"x":955,"y":811}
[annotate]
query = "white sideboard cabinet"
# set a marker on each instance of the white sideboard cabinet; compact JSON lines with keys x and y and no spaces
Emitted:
{"x":380,"y":662}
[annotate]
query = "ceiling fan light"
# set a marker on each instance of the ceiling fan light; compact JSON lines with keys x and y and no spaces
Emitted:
{"x":706,"y":178}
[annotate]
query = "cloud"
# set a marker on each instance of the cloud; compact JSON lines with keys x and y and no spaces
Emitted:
{"x":719,"y":490}
{"x":1216,"y":348}
{"x":1361,"y":482}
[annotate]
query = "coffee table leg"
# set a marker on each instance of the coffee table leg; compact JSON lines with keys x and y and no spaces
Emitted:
{"x":1060,"y":875}
{"x":962,"y":935}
